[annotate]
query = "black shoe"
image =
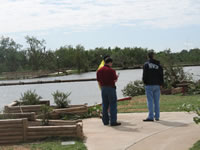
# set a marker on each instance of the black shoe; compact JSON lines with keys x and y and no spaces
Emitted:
{"x":115,"y":124}
{"x":148,"y":120}
{"x":157,"y":119}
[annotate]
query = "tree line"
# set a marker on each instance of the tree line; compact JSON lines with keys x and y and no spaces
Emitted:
{"x":35,"y":57}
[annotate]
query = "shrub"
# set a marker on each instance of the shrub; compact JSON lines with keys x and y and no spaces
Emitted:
{"x":94,"y":111}
{"x":174,"y":75}
{"x":192,"y":108}
{"x":72,"y":116}
{"x":45,"y":112}
{"x":194,"y":88}
{"x":30,"y":98}
{"x":61,"y":99}
{"x":134,"y":88}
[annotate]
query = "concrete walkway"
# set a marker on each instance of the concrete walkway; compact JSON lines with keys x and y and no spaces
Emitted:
{"x":175,"y":131}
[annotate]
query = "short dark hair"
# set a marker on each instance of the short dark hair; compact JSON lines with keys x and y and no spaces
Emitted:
{"x":108,"y":60}
{"x":151,"y":54}
{"x":106,"y":56}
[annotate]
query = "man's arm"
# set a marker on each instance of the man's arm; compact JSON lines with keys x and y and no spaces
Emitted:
{"x":144,"y":76}
{"x":98,"y":75}
{"x":115,"y":76}
{"x":161,"y":75}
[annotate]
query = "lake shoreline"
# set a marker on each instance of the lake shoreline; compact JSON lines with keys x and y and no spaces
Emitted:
{"x":75,"y":72}
{"x":81,"y":92}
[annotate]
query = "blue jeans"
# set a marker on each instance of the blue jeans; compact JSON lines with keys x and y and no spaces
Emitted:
{"x":109,"y":100}
{"x":153,"y":100}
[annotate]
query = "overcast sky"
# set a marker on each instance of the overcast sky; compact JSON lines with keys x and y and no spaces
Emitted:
{"x":152,"y":24}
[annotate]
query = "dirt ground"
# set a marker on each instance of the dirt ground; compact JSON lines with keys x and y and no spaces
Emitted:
{"x":15,"y":147}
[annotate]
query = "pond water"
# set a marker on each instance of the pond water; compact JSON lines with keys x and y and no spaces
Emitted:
{"x":81,"y":92}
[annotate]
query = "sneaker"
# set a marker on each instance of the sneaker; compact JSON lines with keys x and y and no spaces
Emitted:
{"x":157,"y":119}
{"x":148,"y":120}
{"x":115,"y":124}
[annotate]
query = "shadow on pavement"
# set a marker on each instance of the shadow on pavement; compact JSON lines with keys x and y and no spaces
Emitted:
{"x":172,"y":123}
{"x":126,"y":127}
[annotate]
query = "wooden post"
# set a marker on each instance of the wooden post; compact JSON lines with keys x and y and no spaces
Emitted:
{"x":25,"y":126}
{"x":33,"y":117}
{"x":79,"y":130}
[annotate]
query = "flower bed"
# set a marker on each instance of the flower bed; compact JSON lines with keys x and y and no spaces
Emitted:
{"x":19,"y":130}
{"x":55,"y":114}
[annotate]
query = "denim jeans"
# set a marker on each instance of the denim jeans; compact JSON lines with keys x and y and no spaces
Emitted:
{"x":153,"y":100}
{"x":109,"y":100}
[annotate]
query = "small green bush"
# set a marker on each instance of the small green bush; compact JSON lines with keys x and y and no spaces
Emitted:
{"x":175,"y":75}
{"x":134,"y":88}
{"x":45,"y":112}
{"x":30,"y":98}
{"x":72,"y":116}
{"x":194,"y":88}
{"x":61,"y":99}
{"x":192,"y":108}
{"x":93,"y":111}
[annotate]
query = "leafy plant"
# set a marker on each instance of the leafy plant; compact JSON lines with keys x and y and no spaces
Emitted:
{"x":194,"y":88}
{"x":134,"y":88}
{"x":192,"y":108}
{"x":30,"y":98}
{"x":94,"y":111}
{"x":72,"y":116}
{"x":61,"y":99}
{"x":45,"y":112}
{"x":174,"y":75}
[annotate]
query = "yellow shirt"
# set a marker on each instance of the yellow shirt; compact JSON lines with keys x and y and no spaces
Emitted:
{"x":101,"y":65}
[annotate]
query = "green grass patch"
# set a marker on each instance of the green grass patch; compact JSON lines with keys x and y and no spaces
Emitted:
{"x":49,"y":144}
{"x":196,"y":146}
{"x":168,"y":103}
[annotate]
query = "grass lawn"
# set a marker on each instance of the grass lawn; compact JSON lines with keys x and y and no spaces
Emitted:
{"x":196,"y":146}
{"x":168,"y":103}
{"x":51,"y":144}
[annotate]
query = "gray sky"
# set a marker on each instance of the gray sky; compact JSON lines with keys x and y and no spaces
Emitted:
{"x":152,"y":24}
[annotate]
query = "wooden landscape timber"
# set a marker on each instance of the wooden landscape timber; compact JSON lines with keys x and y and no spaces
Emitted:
{"x":17,"y":107}
{"x":55,"y":114}
{"x":41,"y":132}
{"x":28,"y":128}
{"x":18,"y":130}
{"x":30,"y":116}
{"x":23,"y":109}
{"x":13,"y":131}
{"x":38,"y":122}
{"x":45,"y":82}
{"x":17,"y":103}
{"x":80,"y":109}
{"x":176,"y":90}
{"x":14,"y":103}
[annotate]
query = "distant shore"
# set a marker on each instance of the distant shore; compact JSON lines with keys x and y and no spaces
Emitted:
{"x":45,"y":74}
